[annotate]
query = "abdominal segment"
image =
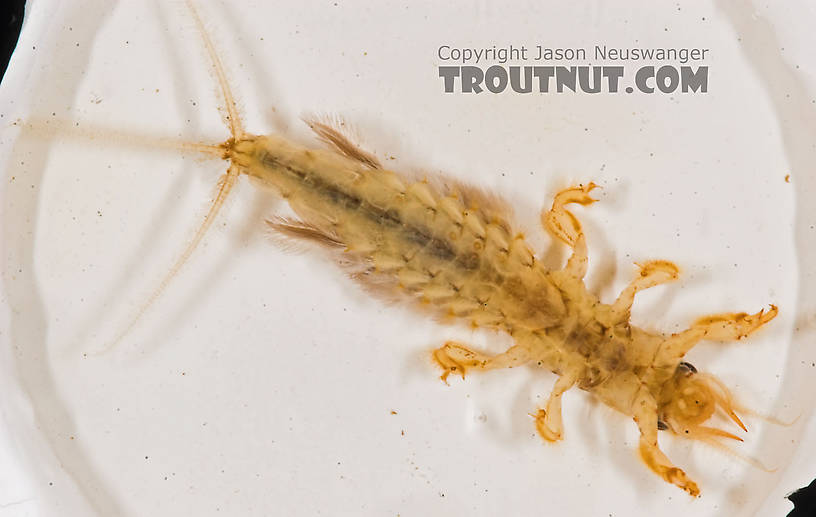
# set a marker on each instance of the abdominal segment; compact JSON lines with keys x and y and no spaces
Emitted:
{"x":446,"y":245}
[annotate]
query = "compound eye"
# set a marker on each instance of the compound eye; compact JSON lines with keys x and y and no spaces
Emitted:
{"x":688,"y":367}
{"x":661,"y":425}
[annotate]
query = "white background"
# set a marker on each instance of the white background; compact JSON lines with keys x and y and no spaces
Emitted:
{"x":264,"y":382}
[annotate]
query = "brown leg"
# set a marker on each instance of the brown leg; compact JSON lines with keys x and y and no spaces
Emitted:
{"x":652,"y":273}
{"x":564,"y":226}
{"x":645,"y":415}
{"x":548,"y":421}
{"x":720,"y":327}
{"x":456,"y":358}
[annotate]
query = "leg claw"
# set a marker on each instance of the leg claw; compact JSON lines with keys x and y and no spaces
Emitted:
{"x":677,"y":477}
{"x":448,"y":364}
{"x":543,"y":429}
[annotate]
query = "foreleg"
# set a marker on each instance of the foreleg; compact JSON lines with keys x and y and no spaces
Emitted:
{"x":645,"y":415}
{"x":719,"y":327}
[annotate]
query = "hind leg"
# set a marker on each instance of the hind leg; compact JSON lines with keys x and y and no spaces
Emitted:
{"x":652,"y":273}
{"x":719,"y":327}
{"x":455,"y":358}
{"x":564,"y":226}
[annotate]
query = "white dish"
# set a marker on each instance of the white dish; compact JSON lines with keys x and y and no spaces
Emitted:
{"x":263,"y":381}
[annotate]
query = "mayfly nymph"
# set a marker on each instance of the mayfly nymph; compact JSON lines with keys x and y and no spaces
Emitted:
{"x":453,"y":253}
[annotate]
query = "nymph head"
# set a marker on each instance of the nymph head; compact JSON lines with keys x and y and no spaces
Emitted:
{"x":689,"y":399}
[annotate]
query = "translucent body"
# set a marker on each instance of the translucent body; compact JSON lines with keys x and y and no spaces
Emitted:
{"x":450,"y":251}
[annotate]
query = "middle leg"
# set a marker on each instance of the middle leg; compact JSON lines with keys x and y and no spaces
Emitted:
{"x":548,"y":421}
{"x":652,"y":273}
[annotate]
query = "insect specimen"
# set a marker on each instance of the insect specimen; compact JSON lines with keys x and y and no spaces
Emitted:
{"x":451,"y":251}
